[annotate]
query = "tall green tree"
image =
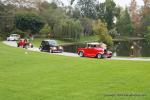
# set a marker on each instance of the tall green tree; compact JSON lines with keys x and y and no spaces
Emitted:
{"x":107,"y":11}
{"x":147,"y":35}
{"x":46,"y":30}
{"x":87,"y":8}
{"x":87,"y":26}
{"x":110,"y":13}
{"x":76,"y":13}
{"x":101,"y":11}
{"x":68,"y":29}
{"x":6,"y":18}
{"x":53,"y":15}
{"x":124,"y":24}
{"x":29,"y":22}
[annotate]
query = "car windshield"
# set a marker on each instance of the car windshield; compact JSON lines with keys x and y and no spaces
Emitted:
{"x":90,"y":45}
{"x":52,"y":42}
{"x":14,"y":35}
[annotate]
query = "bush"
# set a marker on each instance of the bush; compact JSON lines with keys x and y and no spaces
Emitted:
{"x":68,"y":29}
{"x":100,"y":28}
{"x":1,"y":38}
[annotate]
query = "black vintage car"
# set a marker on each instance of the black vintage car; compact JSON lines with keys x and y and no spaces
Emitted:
{"x":50,"y":46}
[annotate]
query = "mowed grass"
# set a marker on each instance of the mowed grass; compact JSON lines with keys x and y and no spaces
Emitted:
{"x":26,"y":75}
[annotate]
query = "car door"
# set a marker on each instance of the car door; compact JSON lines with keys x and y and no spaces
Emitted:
{"x":92,"y":51}
{"x":89,"y":50}
{"x":47,"y":46}
{"x":42,"y":45}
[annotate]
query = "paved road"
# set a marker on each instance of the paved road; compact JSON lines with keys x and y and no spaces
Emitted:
{"x":14,"y":44}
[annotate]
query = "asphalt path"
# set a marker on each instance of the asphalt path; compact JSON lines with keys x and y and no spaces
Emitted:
{"x":36,"y":49}
{"x":14,"y":44}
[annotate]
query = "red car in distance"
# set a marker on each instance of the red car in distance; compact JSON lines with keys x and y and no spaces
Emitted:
{"x":24,"y":43}
{"x":95,"y":49}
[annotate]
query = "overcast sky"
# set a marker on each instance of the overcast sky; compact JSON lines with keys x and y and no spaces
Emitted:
{"x":122,"y":3}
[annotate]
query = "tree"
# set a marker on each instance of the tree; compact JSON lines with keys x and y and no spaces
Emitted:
{"x":46,"y":29}
{"x":145,"y":16}
{"x":20,"y":3}
{"x":87,"y":26}
{"x":124,"y":24}
{"x":113,"y":32}
{"x":107,"y":11}
{"x":76,"y":13}
{"x":100,"y":29}
{"x":147,"y":35}
{"x":29,"y":22}
{"x":110,"y":13}
{"x":87,"y":8}
{"x":53,"y":15}
{"x":100,"y":9}
{"x":135,"y":16}
{"x":6,"y":18}
{"x":68,"y":29}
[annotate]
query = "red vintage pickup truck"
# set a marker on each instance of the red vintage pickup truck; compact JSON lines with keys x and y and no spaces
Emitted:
{"x":95,"y":49}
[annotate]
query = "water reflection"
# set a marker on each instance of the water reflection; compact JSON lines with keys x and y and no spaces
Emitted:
{"x":73,"y":47}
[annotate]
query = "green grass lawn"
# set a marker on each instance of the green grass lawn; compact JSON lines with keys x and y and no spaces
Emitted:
{"x":42,"y":76}
{"x":89,"y":38}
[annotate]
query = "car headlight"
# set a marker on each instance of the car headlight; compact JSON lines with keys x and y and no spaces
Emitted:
{"x":109,"y":52}
{"x":60,"y":47}
{"x":54,"y":48}
{"x":30,"y":44}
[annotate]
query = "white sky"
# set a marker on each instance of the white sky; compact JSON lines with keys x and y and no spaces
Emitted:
{"x":122,"y":3}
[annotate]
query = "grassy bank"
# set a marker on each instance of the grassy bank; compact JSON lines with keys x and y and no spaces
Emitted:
{"x":26,"y":75}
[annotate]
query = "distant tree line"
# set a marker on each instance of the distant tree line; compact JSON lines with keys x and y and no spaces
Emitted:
{"x":86,"y":18}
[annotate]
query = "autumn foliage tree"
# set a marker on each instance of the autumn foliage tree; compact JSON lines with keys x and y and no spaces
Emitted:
{"x":100,"y":29}
{"x":135,"y":16}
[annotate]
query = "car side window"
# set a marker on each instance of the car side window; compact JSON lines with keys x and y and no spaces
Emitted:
{"x":89,"y":46}
{"x":43,"y":43}
{"x":46,"y":43}
{"x":92,"y":46}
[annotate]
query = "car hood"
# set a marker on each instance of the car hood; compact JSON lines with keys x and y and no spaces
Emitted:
{"x":99,"y":48}
{"x":10,"y":37}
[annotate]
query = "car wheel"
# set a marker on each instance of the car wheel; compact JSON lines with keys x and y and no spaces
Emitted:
{"x":81,"y":54}
{"x":110,"y":57}
{"x":99,"y":56}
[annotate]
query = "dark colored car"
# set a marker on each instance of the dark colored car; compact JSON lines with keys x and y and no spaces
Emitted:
{"x":25,"y":43}
{"x":95,"y":49}
{"x":50,"y":46}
